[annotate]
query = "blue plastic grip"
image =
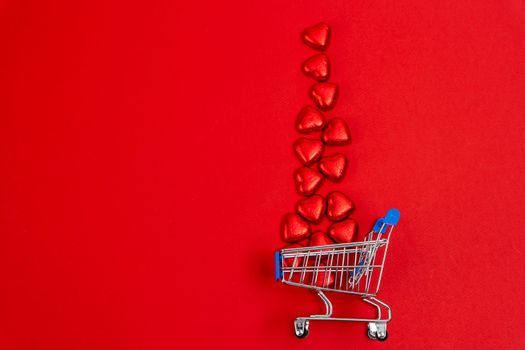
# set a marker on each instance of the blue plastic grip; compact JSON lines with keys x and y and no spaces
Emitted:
{"x":278,"y":271}
{"x":391,"y":218}
{"x":377,"y":226}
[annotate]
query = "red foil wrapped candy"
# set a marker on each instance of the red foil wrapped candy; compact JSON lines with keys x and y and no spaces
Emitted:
{"x":336,"y":133}
{"x":307,"y":181}
{"x":311,"y":208}
{"x":343,"y":231}
{"x":338,"y":206}
{"x":324,"y":95}
{"x":308,"y":151}
{"x":319,"y":238}
{"x":333,"y":166}
{"x":324,"y":278}
{"x":294,"y":228}
{"x":294,"y":262}
{"x":317,"y":67}
{"x":309,"y":120}
{"x":317,"y":36}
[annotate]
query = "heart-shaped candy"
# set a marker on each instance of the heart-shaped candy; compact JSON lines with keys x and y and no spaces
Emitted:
{"x":317,"y":36}
{"x":309,"y":120}
{"x":338,"y":206}
{"x":294,"y":228}
{"x":336,"y":133}
{"x":333,"y":166}
{"x":319,"y":238}
{"x":307,"y":181}
{"x":317,"y":67}
{"x":295,"y":262}
{"x":308,"y":151}
{"x":311,"y":208}
{"x":343,"y":231}
{"x":324,"y":278}
{"x":324,"y":95}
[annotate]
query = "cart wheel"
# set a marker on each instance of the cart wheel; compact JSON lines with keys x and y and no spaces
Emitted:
{"x":301,"y":328}
{"x":372,"y":330}
{"x":371,"y":335}
{"x":382,"y":337}
{"x":377,"y":331}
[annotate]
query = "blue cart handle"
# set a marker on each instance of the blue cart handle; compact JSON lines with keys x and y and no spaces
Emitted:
{"x":278,"y":271}
{"x":391,"y":218}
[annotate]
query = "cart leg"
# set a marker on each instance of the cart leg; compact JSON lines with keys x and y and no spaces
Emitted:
{"x":302,"y":324}
{"x":379,"y":303}
{"x":377,"y":330}
{"x":327,"y":305}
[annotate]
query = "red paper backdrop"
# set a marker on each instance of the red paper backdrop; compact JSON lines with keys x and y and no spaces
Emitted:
{"x":146,"y":162}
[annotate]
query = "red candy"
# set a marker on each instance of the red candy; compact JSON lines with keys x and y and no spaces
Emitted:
{"x":308,"y":151}
{"x":294,"y":228}
{"x":307,"y":181}
{"x":343,"y":231}
{"x":325,"y":277}
{"x":324,"y":95}
{"x":339,"y":206}
{"x":291,"y":262}
{"x":333,"y":166}
{"x":317,"y":36}
{"x":336,"y":133}
{"x":316,"y":274}
{"x":317,"y":67}
{"x":312,"y":208}
{"x":310,"y":120}
{"x":319,"y":238}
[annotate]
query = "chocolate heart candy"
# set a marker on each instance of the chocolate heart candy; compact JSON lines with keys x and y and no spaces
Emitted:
{"x":336,"y":133}
{"x":307,"y":181}
{"x":324,"y":278}
{"x":319,"y":238}
{"x":298,"y":261}
{"x":308,"y":151}
{"x":317,"y":67}
{"x":294,"y":228}
{"x":317,"y":36}
{"x":312,"y":208}
{"x":324,"y":95}
{"x":309,"y":120}
{"x":333,"y":166}
{"x":343,"y":231}
{"x":338,"y":206}
{"x":319,"y":275}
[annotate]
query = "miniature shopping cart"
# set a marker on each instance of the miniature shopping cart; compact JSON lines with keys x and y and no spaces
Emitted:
{"x":353,"y":268}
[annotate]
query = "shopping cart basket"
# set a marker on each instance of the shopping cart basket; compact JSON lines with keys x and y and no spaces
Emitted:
{"x":352,"y":268}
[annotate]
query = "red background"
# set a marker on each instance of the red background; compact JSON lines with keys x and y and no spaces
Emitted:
{"x":146,"y":162}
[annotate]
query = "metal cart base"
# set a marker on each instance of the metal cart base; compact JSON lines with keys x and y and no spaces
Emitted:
{"x":376,"y":326}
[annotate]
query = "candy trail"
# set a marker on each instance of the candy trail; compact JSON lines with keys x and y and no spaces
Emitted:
{"x":317,"y":167}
